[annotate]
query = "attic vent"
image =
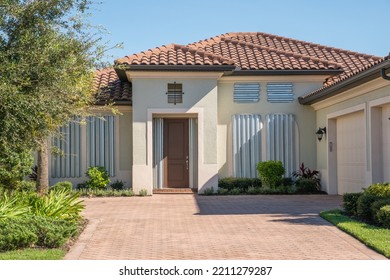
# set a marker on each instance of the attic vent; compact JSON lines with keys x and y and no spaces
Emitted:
{"x":175,"y":93}
{"x":246,"y":93}
{"x":280,"y":92}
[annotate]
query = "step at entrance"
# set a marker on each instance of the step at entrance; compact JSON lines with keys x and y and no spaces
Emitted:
{"x":175,"y":191}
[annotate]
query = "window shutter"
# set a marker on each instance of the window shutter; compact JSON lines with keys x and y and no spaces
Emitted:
{"x":280,"y":92}
{"x":246,"y":92}
{"x":69,"y":164}
{"x":283,"y":140}
{"x":101,"y":143}
{"x":246,"y":144}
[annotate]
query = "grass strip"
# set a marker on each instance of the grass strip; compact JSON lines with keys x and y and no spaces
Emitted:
{"x":374,"y":237}
{"x":33,"y":254}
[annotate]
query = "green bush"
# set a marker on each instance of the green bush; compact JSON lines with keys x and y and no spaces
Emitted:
{"x":243,"y":184}
{"x":383,"y":216}
{"x":253,"y":190}
{"x":15,"y":234}
{"x":306,"y":185}
{"x":363,"y":209}
{"x":222,"y":191}
{"x":235,"y":191}
{"x":350,"y":203}
{"x":27,"y":186}
{"x":11,"y":206}
{"x":117,"y":185}
{"x":271,"y":172}
{"x":209,"y":191}
{"x":376,"y":206}
{"x":381,"y":190}
{"x":98,"y":177}
{"x":143,"y":192}
{"x":286,"y":182}
{"x":28,"y":231}
{"x":59,"y":203}
{"x":66,"y":185}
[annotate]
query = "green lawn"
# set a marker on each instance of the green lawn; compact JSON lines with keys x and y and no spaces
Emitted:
{"x":374,"y":237}
{"x":33,"y":254}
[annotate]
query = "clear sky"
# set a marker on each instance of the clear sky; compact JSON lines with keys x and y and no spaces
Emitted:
{"x":357,"y":25}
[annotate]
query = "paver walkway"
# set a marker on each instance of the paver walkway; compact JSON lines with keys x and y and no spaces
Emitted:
{"x":186,"y":226}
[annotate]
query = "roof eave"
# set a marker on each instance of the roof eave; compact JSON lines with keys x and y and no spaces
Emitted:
{"x":354,"y":81}
{"x":328,"y":72}
{"x":203,"y":68}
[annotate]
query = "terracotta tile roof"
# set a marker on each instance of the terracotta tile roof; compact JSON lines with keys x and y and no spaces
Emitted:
{"x":175,"y":55}
{"x":109,"y":87}
{"x":246,"y":51}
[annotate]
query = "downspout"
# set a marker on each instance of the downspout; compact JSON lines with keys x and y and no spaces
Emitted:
{"x":383,"y":73}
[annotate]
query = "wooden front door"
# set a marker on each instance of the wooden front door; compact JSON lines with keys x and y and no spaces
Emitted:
{"x":176,"y":153}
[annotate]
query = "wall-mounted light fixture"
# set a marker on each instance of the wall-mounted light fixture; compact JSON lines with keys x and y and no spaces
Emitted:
{"x":321,"y":131}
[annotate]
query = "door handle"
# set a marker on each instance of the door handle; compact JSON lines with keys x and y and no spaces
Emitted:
{"x":187,"y":162}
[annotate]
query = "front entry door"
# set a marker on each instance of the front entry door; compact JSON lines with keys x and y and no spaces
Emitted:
{"x":176,"y":153}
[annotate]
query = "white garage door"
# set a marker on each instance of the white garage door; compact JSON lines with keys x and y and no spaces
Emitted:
{"x":351,"y":153}
{"x":386,"y":142}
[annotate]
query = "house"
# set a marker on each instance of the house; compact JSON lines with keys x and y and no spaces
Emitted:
{"x":214,"y":108}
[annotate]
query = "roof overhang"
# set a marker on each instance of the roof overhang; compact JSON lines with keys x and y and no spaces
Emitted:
{"x":349,"y":83}
{"x":326,"y":72}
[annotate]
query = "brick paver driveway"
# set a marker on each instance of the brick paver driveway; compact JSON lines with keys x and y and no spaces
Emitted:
{"x":186,"y":226}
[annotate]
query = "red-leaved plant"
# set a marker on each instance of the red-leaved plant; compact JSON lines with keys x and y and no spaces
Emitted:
{"x":306,"y":173}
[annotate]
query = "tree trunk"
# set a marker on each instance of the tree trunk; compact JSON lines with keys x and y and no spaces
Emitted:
{"x":43,"y":168}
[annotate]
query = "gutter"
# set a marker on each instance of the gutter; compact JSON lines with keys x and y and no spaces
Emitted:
{"x":203,"y":68}
{"x":331,"y":72}
{"x":366,"y":75}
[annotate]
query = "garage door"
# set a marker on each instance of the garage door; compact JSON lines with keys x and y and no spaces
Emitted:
{"x":386,"y":142}
{"x":351,"y":153}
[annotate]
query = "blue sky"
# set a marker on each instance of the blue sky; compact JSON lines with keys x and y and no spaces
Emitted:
{"x":361,"y":26}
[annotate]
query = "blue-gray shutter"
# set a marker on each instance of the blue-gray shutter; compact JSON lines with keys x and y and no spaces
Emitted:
{"x":158,"y":153}
{"x":69,"y":164}
{"x":101,"y":143}
{"x":246,"y":144}
{"x":280,"y":92}
{"x":283,"y":140}
{"x":246,"y":92}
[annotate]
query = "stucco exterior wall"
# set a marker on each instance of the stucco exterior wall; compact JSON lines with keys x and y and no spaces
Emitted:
{"x":123,"y":150}
{"x":366,"y":98}
{"x":305,"y":117}
{"x":150,"y":100}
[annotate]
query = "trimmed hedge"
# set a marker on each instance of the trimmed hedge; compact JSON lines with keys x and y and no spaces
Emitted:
{"x":363,"y":209}
{"x":383,"y":216}
{"x":381,"y":190}
{"x":243,"y":184}
{"x":350,"y":203}
{"x":25,"y":232}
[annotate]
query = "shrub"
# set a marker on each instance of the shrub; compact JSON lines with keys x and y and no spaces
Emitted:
{"x":306,"y":185}
{"x":81,"y":187}
{"x":10,"y":207}
{"x":235,"y":191}
{"x":222,"y":191}
{"x":117,"y":185}
{"x":143,"y":192}
{"x":98,"y":177}
{"x":350,"y":202}
{"x":59,"y":203}
{"x":383,"y":216}
{"x":27,"y":186}
{"x":253,"y":190}
{"x":286,"y":182}
{"x":66,"y":185}
{"x":127,"y":193}
{"x":243,"y":184}
{"x":270,"y":172}
{"x":376,"y":206}
{"x":209,"y":191}
{"x":363,"y":209}
{"x":306,"y":173}
{"x":381,"y":190}
{"x":15,"y":233}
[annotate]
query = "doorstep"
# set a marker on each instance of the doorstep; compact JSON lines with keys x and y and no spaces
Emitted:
{"x":175,"y":191}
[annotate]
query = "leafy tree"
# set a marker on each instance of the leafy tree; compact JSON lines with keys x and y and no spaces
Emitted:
{"x":47,"y":57}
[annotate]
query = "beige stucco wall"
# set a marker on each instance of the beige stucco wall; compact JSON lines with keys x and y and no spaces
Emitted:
{"x":305,"y":116}
{"x":199,"y":100}
{"x":123,"y":149}
{"x":362,"y":98}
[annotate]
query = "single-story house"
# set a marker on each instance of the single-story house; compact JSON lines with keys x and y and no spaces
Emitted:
{"x":190,"y":114}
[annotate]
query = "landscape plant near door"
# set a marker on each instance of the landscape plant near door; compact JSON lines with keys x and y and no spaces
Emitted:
{"x":271,"y":172}
{"x":98,"y":178}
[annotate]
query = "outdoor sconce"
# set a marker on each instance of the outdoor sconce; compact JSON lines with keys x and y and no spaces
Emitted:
{"x":320,"y":133}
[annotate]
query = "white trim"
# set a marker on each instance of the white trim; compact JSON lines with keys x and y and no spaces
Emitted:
{"x":254,"y":79}
{"x":346,"y":111}
{"x":172,"y":75}
{"x":379,"y":101}
{"x":351,"y":93}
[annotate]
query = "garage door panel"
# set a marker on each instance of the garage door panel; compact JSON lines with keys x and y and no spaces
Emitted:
{"x":351,"y":153}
